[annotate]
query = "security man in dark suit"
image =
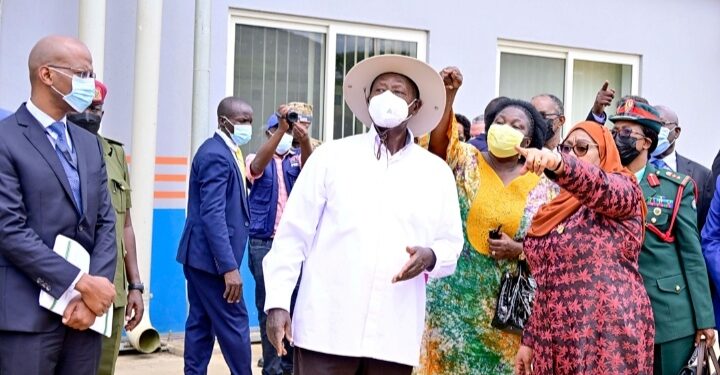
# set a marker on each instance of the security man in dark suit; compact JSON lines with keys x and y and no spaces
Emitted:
{"x":671,"y":160}
{"x":52,"y":182}
{"x":671,"y":261}
{"x":213,"y":243}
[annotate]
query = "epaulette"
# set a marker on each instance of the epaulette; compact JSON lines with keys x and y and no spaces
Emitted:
{"x":675,"y":177}
{"x":113,"y":142}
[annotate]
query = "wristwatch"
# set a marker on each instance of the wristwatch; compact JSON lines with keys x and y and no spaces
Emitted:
{"x":139,"y":286}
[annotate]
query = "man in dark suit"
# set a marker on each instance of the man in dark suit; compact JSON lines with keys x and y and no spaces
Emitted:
{"x":4,"y":113}
{"x":671,"y":160}
{"x":53,"y":181}
{"x":213,"y":243}
{"x":715,"y":171}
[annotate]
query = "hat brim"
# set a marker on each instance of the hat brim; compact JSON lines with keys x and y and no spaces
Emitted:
{"x":356,"y":89}
{"x":654,"y":125}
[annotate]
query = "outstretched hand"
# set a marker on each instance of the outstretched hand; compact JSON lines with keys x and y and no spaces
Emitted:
{"x":537,"y":161}
{"x":603,"y":99}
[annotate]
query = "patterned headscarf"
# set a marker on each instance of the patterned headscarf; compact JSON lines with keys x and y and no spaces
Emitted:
{"x":565,"y":204}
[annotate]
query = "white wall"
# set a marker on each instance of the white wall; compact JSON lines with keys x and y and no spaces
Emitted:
{"x":679,"y":43}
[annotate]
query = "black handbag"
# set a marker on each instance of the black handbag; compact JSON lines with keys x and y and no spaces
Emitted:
{"x":698,"y":363}
{"x":515,"y":299}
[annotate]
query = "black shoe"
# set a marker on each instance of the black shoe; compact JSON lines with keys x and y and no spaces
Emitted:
{"x":260,"y":363}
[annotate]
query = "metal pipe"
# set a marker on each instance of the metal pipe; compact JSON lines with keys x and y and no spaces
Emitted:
{"x":144,"y":142}
{"x":91,"y":30}
{"x":201,"y":75}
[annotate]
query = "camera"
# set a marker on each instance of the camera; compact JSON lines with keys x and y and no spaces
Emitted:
{"x":292,"y":117}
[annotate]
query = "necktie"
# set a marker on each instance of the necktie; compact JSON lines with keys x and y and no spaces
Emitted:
{"x":241,"y":161}
{"x":68,"y":160}
{"x":58,"y":128}
{"x":660,"y":164}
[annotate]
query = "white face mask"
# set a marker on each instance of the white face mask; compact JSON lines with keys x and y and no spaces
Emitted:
{"x":388,"y":110}
{"x":285,"y":144}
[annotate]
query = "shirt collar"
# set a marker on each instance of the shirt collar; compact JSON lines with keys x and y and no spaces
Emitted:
{"x":375,"y":137}
{"x":671,"y":160}
{"x":229,"y":142}
{"x":639,"y":174}
{"x":43,"y":118}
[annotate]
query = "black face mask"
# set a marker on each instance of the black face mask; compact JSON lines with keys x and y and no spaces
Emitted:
{"x":86,"y":120}
{"x":627,"y":147}
{"x":550,"y":129}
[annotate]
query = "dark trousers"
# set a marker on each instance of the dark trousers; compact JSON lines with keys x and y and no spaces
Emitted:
{"x":62,"y":351}
{"x":671,"y":356}
{"x":308,"y":362}
{"x":272,"y":364}
{"x":212,"y":316}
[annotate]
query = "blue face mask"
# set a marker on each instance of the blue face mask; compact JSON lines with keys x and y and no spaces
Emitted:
{"x":82,"y":93}
{"x":242,"y":133}
{"x":663,"y":142}
{"x":284,"y":146}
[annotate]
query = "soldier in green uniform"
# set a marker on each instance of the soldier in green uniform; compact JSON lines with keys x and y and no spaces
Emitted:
{"x":671,"y":260}
{"x":128,"y":302}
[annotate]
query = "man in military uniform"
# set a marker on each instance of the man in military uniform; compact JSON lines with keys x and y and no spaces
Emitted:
{"x":128,"y":302}
{"x":671,"y":260}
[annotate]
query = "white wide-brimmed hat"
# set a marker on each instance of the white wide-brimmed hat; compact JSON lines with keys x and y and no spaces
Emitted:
{"x":356,"y":89}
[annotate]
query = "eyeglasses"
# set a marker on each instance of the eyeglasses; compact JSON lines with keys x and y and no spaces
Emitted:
{"x":626,"y":132}
{"x":78,"y":72}
{"x":579,"y":149}
{"x":547,"y":116}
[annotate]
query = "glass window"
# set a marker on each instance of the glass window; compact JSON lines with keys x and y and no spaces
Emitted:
{"x":573,"y":75}
{"x":588,"y":77}
{"x":350,"y":50}
{"x":277,"y":66}
{"x":524,"y":76}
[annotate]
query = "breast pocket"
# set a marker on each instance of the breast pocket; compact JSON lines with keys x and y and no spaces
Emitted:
{"x":120,"y":195}
{"x":659,"y":217}
{"x":673,"y":297}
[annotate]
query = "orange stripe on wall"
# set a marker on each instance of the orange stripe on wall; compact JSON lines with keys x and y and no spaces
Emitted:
{"x":169,"y":195}
{"x":166,"y":160}
{"x":170,"y":177}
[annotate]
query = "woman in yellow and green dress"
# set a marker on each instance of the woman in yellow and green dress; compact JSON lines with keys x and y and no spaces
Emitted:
{"x":493,"y":193}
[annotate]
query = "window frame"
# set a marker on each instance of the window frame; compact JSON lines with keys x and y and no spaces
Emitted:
{"x":569,"y":54}
{"x":330,"y":29}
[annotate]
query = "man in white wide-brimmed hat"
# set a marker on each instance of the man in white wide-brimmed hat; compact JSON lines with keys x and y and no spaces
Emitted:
{"x":370,"y":218}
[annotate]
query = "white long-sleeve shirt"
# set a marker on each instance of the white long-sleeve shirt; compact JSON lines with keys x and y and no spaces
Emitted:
{"x":347,"y":224}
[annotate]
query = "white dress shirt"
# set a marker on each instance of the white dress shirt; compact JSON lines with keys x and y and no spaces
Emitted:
{"x":45,"y":120}
{"x":347,"y":224}
{"x":671,"y":161}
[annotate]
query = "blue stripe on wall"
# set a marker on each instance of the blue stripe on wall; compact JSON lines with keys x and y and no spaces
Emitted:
{"x":168,"y":306}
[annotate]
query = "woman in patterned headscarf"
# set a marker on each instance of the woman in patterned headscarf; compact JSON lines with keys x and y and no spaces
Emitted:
{"x":591,"y":313}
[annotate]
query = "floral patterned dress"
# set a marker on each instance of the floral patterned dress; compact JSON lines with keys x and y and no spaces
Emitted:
{"x":591,"y":313}
{"x":458,"y":336}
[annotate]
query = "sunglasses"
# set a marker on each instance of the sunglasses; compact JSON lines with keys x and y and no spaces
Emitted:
{"x":579,"y":149}
{"x":626,"y":132}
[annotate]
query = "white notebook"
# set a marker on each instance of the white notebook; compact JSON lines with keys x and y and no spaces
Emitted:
{"x":74,"y":253}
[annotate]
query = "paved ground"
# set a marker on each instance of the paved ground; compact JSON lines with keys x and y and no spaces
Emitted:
{"x":170,"y":360}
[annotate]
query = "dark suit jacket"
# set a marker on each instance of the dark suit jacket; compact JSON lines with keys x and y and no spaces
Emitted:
{"x":35,"y":206}
{"x":590,"y":117}
{"x":216,"y":228}
{"x":715,"y":170}
{"x":704,"y":182}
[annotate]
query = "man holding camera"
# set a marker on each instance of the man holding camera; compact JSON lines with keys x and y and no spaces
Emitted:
{"x":272,"y":173}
